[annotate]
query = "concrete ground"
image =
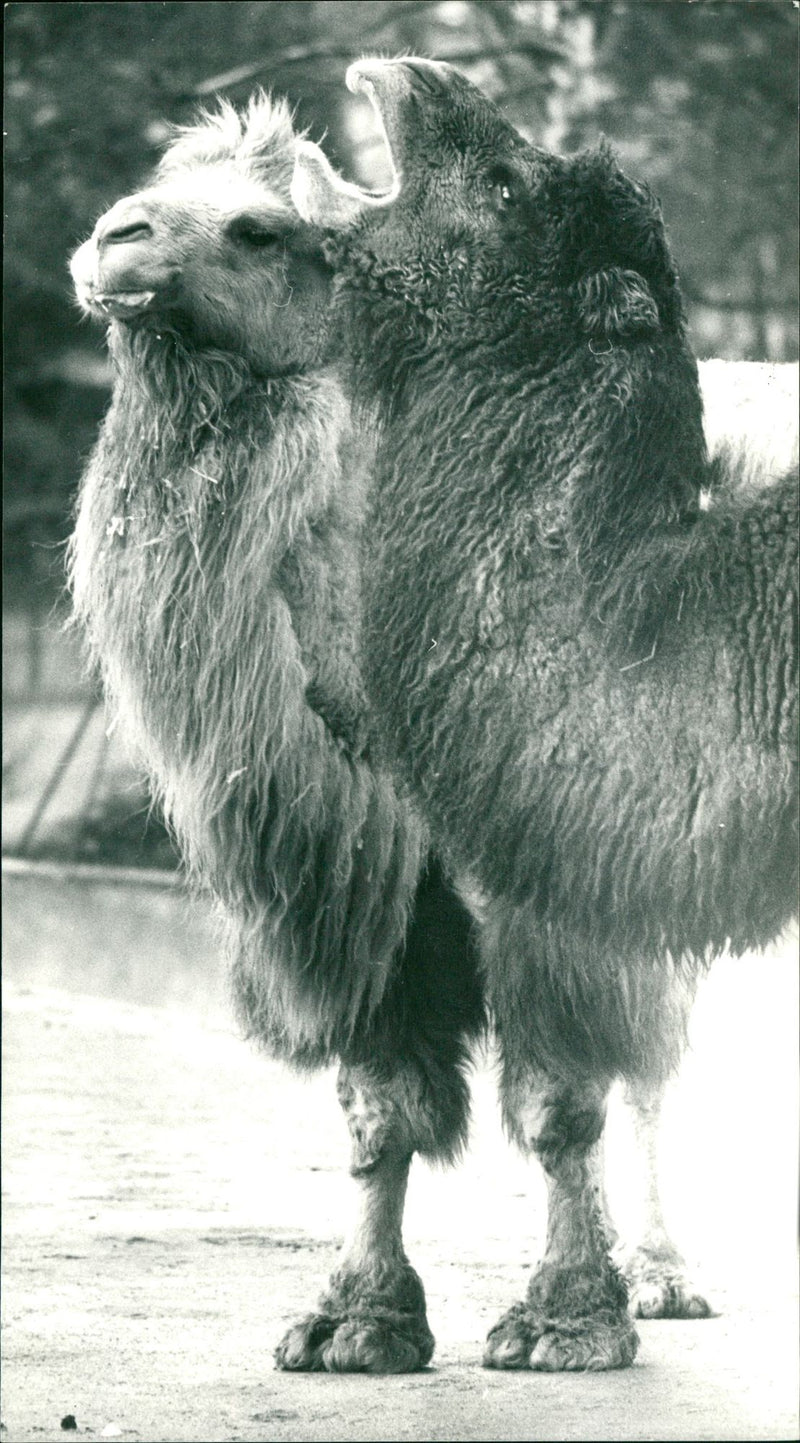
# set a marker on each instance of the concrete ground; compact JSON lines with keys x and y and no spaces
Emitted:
{"x":173,"y":1200}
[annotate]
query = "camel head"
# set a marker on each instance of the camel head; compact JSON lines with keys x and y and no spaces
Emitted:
{"x":482,"y":228}
{"x":213,"y":249}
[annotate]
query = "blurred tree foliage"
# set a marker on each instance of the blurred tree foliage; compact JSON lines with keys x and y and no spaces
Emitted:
{"x":704,"y":104}
{"x":701,"y":99}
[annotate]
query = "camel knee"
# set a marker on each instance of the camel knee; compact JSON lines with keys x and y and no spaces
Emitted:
{"x":560,"y":1122}
{"x":374,"y":1118}
{"x":399,"y":1112}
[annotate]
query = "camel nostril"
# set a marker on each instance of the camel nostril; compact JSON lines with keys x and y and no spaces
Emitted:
{"x":137,"y":230}
{"x":425,"y":74}
{"x":122,"y":226}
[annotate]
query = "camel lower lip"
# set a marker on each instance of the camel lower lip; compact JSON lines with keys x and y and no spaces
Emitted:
{"x":121,"y":303}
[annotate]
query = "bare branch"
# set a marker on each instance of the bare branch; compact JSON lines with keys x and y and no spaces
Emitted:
{"x":298,"y":54}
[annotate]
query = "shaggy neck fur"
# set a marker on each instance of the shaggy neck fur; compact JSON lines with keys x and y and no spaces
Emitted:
{"x":589,"y":684}
{"x":214,"y":565}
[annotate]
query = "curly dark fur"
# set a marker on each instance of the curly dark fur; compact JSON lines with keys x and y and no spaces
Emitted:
{"x":585,"y":674}
{"x":588,"y":682}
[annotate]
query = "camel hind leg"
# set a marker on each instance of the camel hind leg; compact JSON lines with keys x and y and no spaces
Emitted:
{"x":575,"y":1314}
{"x":403,"y":1090}
{"x":656,"y":1273}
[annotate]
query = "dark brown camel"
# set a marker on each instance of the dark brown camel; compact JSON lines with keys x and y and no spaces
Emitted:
{"x":585,"y":676}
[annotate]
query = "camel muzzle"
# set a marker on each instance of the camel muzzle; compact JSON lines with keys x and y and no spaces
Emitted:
{"x":401,"y":91}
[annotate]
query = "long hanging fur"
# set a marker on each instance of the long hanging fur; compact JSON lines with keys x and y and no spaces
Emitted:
{"x":214,"y":569}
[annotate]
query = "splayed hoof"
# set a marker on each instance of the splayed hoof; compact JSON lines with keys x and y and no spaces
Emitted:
{"x":659,"y":1288}
{"x":367,"y":1323}
{"x":300,"y":1349}
{"x":524,"y":1339}
{"x":511,"y":1340}
{"x":592,"y":1347}
{"x":391,"y":1344}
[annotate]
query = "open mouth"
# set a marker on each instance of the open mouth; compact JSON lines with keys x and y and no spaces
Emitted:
{"x":393,"y":87}
{"x":389,"y":86}
{"x":395,"y":90}
{"x":122,"y":304}
{"x":384,"y":86}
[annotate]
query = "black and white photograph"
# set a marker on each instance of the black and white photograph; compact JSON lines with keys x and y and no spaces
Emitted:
{"x":400,"y":721}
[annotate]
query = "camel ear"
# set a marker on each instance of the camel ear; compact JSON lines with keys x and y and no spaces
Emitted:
{"x":322,"y":197}
{"x":615,"y":302}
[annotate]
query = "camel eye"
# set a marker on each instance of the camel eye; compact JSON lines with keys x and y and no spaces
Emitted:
{"x":504,"y":188}
{"x":247,"y":231}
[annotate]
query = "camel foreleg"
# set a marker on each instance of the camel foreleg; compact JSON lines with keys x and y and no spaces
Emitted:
{"x":371,"y":1318}
{"x":575,"y":1312}
{"x":403,"y":1090}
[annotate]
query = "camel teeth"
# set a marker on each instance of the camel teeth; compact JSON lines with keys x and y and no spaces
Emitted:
{"x":125,"y":300}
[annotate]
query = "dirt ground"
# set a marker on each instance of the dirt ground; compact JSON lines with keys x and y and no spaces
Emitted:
{"x":173,"y":1200}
